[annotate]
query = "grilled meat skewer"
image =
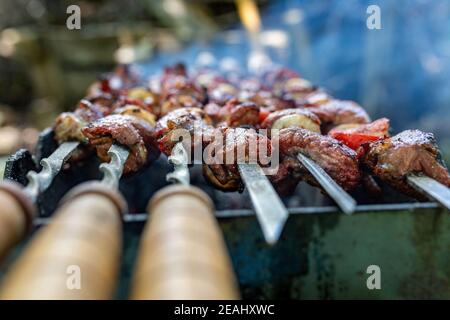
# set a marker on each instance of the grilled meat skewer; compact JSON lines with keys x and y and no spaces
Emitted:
{"x":179,"y":91}
{"x":130,"y":126}
{"x":339,"y":161}
{"x":76,"y":238}
{"x":171,"y":211}
{"x":223,"y":175}
{"x":19,"y":208}
{"x":409,"y":152}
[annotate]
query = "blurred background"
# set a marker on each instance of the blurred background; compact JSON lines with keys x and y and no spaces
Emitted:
{"x":401,"y":71}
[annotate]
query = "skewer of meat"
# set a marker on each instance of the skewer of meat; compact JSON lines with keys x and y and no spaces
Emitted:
{"x":225,"y":115}
{"x":76,"y":238}
{"x":410,"y":161}
{"x":129,"y":126}
{"x":168,"y":270}
{"x":19,"y":210}
{"x":286,"y":116}
{"x":333,"y":115}
{"x":223,"y":175}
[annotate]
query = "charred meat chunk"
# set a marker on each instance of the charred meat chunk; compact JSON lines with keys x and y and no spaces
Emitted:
{"x":411,"y":151}
{"x":134,"y":132}
{"x":68,"y":125}
{"x":337,"y":112}
{"x":266,"y":100}
{"x":178,"y":91}
{"x":230,"y":147}
{"x":236,"y":113}
{"x":339,"y":161}
{"x":193,"y":122}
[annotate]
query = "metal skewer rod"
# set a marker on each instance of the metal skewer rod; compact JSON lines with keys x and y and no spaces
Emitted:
{"x":18,"y":203}
{"x":51,"y":166}
{"x":81,"y":210}
{"x":432,"y":188}
{"x":258,"y":61}
{"x":270,"y":210}
{"x":179,"y":159}
{"x":186,"y":213}
{"x":345,"y":202}
{"x":112,"y":171}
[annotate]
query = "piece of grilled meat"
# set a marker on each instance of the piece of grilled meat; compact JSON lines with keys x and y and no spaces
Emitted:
{"x":218,"y":89}
{"x":234,"y":113}
{"x":227,"y":150}
{"x":339,"y":161}
{"x":133,"y":129}
{"x":215,"y":143}
{"x":337,"y":112}
{"x":411,"y":151}
{"x":194,"y":122}
{"x":68,"y":125}
{"x":178,"y":91}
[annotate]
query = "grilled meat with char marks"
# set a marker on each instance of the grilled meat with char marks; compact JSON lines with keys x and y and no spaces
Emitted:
{"x":68,"y":125}
{"x":219,"y":142}
{"x":189,"y":119}
{"x":234,"y":113}
{"x":411,"y":151}
{"x":219,"y":90}
{"x":233,"y":146}
{"x":178,"y":91}
{"x":133,"y":131}
{"x":339,"y":161}
{"x":337,"y":112}
{"x":266,"y":100}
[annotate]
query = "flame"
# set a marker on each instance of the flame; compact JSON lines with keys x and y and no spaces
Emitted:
{"x":249,"y":14}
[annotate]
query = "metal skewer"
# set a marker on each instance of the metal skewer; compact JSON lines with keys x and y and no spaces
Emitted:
{"x":179,"y":159}
{"x":39,"y":182}
{"x":339,"y":195}
{"x":112,"y":171}
{"x":270,"y":210}
{"x":18,"y":203}
{"x":257,"y":62}
{"x":186,"y":213}
{"x":432,"y":188}
{"x":81,"y":210}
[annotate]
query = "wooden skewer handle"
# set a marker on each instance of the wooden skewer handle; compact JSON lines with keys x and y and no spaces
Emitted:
{"x":76,"y":256}
{"x":16,"y":215}
{"x":182,"y":253}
